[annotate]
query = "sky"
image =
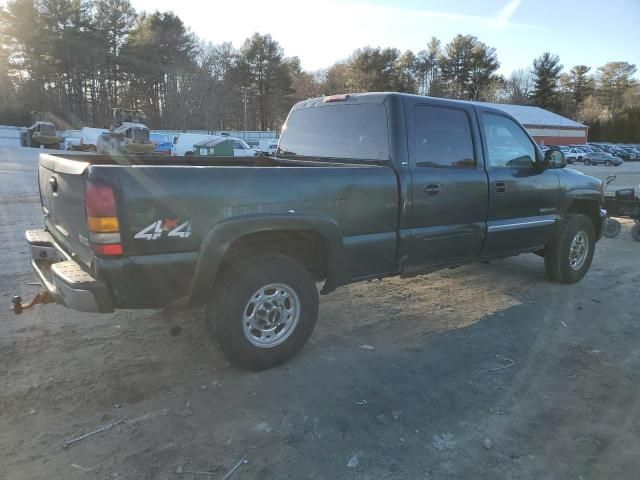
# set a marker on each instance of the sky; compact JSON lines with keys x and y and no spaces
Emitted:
{"x":590,"y":32}
{"x":321,"y":32}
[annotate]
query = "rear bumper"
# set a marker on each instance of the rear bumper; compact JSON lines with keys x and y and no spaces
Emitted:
{"x":63,"y":278}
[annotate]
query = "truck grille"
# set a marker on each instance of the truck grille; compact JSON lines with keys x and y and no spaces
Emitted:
{"x":140,"y":135}
{"x":47,"y":130}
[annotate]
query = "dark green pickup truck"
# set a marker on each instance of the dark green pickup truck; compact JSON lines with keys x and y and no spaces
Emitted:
{"x":362,"y":186}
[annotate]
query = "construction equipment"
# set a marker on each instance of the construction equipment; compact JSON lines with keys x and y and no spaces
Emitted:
{"x":42,"y":132}
{"x":622,"y":203}
{"x":127,"y":135}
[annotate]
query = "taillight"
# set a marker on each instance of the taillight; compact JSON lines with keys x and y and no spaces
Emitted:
{"x":102,"y":220}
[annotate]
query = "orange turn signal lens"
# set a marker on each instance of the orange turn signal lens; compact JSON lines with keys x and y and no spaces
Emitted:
{"x":103,"y":224}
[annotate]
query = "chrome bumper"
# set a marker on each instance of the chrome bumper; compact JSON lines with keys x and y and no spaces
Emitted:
{"x":63,"y":278}
{"x":603,"y":222}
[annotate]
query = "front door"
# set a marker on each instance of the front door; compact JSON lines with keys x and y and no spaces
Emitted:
{"x":523,"y":198}
{"x":450,"y":192}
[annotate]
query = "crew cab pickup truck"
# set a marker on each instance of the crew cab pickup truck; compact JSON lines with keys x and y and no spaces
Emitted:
{"x":362,"y":186}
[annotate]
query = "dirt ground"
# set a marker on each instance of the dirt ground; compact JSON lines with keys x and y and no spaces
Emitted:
{"x":482,"y":372}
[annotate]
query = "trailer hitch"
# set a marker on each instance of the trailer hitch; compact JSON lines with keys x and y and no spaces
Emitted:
{"x":40,"y":298}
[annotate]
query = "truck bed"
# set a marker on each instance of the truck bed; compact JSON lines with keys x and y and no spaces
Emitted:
{"x":361,"y":199}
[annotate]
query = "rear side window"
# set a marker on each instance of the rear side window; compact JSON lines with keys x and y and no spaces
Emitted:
{"x":353,"y":132}
{"x":442,"y":137}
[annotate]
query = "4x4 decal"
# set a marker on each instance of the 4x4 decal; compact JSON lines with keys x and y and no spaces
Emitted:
{"x":165,"y":228}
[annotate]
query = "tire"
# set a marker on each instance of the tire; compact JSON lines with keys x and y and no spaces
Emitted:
{"x":612,"y":228}
{"x":114,"y":147}
{"x":587,"y":161}
{"x":635,"y":232}
{"x":239,"y":336}
{"x":565,"y":261}
{"x":607,"y":163}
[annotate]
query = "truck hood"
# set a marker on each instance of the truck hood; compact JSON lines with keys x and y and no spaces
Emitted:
{"x":573,"y":180}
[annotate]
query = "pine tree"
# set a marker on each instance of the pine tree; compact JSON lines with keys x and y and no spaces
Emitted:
{"x":546,"y":73}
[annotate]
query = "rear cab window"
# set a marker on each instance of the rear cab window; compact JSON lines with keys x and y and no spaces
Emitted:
{"x":356,"y":132}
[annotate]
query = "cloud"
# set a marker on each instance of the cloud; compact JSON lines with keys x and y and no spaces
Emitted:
{"x":501,"y":20}
{"x":504,"y":16}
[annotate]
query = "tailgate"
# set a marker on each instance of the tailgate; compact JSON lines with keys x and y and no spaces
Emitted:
{"x":62,"y":185}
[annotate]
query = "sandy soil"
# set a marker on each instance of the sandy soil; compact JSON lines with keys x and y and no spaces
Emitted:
{"x":484,"y":372}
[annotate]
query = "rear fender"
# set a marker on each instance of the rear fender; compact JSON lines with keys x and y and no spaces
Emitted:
{"x":219,"y":239}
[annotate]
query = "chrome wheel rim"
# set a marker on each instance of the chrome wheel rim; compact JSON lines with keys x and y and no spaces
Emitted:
{"x":578,"y":250}
{"x":271,"y":315}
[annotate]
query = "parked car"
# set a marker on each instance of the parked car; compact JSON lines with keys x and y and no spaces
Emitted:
{"x":600,"y":158}
{"x":183,"y":143}
{"x":163,"y":148}
{"x":242,"y":148}
{"x":632,"y":152}
{"x":574,"y":155}
{"x":362,"y":186}
{"x":268,"y":146}
{"x":623,"y":154}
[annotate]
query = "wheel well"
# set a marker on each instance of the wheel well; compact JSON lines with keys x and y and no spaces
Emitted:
{"x":308,"y":248}
{"x":590,"y":209}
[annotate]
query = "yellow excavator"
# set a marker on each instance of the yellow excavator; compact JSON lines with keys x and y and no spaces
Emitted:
{"x":42,"y":132}
{"x":127,"y":135}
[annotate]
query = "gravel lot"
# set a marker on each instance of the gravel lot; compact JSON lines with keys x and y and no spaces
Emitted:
{"x":483,"y":372}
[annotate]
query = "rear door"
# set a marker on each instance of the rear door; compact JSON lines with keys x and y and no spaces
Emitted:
{"x":450,"y":189}
{"x":523,"y":204}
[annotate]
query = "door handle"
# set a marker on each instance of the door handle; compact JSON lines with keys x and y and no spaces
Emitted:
{"x":432,"y":189}
{"x":53,"y":183}
{"x":499,"y":187}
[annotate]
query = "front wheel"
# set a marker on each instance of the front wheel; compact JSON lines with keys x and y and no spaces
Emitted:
{"x":264,"y":311}
{"x":569,"y":258}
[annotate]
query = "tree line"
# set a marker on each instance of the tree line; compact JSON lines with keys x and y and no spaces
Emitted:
{"x":79,"y":58}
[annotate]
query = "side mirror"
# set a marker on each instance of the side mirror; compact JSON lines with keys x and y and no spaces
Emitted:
{"x":554,"y":159}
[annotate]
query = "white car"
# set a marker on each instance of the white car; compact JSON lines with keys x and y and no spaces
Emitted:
{"x":242,"y":148}
{"x":575,"y":154}
{"x":268,"y":146}
{"x":184,"y":142}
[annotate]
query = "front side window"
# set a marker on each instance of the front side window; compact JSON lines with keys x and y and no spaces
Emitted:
{"x":442,"y":137}
{"x":507,"y":145}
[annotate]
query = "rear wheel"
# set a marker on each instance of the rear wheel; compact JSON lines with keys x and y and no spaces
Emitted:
{"x":569,"y":258}
{"x":263,"y":312}
{"x":612,"y":228}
